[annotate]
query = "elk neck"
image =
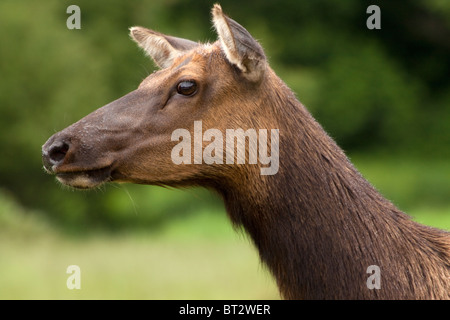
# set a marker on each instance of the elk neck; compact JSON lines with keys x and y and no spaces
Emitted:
{"x":316,"y":222}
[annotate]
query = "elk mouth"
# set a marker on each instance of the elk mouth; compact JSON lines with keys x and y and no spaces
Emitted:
{"x":84,"y":179}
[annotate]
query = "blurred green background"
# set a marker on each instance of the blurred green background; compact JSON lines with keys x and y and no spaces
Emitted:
{"x":384,"y":95}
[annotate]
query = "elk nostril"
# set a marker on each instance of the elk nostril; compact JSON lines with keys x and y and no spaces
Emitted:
{"x":58,"y":152}
{"x":54,"y":151}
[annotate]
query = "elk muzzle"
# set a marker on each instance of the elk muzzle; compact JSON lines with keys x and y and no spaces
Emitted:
{"x":59,"y":157}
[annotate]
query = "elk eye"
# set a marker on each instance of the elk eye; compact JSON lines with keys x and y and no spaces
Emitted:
{"x":187,"y":87}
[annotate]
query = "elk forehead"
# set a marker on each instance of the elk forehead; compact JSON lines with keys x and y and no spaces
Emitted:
{"x":193,"y":64}
{"x":200,"y":56}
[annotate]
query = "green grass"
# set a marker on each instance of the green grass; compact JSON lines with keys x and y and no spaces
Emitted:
{"x":130,"y":267}
{"x":196,"y":256}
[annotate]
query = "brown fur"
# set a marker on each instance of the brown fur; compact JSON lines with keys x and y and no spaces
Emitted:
{"x":317,"y":223}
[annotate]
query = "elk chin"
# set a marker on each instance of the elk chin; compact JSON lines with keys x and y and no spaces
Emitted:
{"x":85,"y":179}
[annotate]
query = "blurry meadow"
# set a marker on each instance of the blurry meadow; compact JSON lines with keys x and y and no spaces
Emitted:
{"x":384,"y":95}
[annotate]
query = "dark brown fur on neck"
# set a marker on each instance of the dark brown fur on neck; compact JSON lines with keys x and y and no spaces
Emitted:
{"x":318,"y":224}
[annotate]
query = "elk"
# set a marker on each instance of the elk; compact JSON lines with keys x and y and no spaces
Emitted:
{"x":316,"y":223}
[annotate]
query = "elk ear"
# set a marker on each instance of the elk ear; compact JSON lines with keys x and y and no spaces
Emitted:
{"x":161,"y":48}
{"x":239,"y":46}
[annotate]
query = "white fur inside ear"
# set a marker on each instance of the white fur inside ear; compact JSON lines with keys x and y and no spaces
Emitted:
{"x":226,"y":38}
{"x":155,"y":46}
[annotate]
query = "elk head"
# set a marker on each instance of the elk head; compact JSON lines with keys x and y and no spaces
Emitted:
{"x":130,"y":139}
